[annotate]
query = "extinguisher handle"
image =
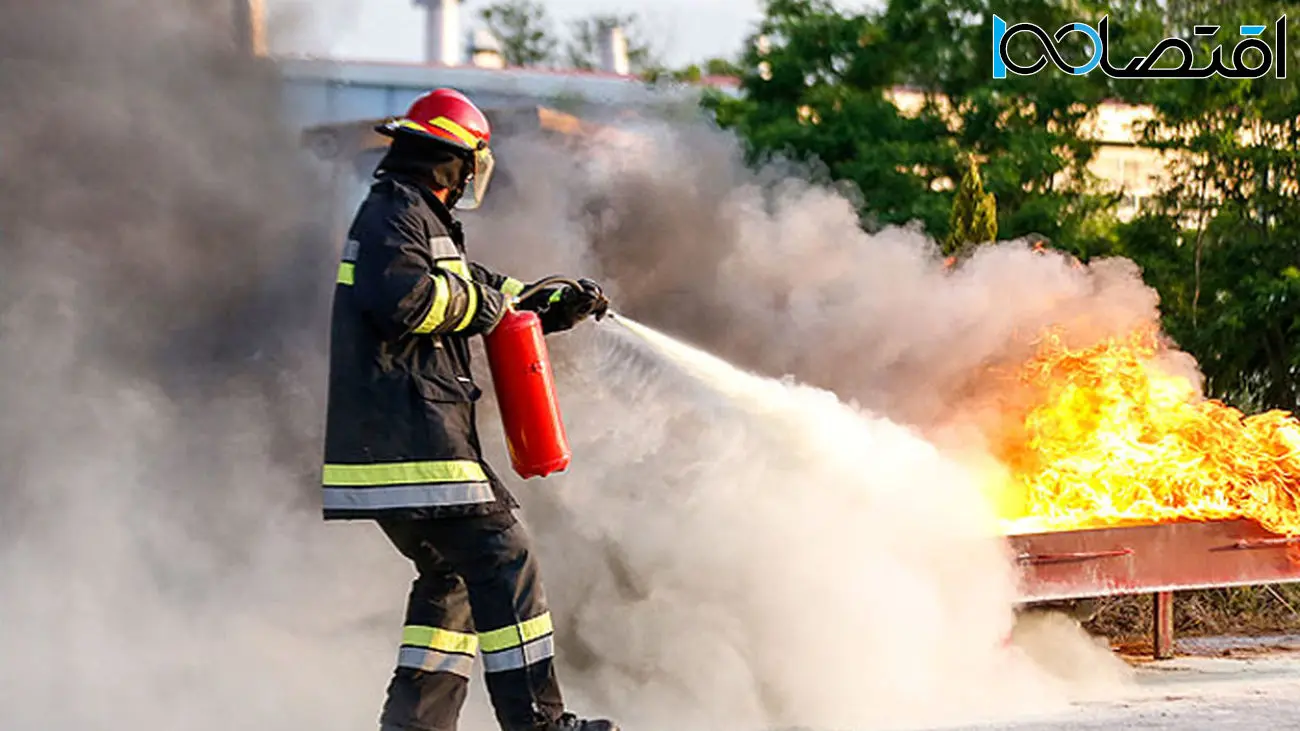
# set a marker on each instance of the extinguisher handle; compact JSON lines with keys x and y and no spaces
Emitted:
{"x":541,"y":284}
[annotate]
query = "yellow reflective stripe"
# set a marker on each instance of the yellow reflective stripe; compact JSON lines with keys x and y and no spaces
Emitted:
{"x":455,"y":266}
{"x":411,"y":125}
{"x":403,"y":473}
{"x":461,"y":269}
{"x":512,"y":287}
{"x":438,"y":309}
{"x":347,"y":273}
{"x":516,"y":635}
{"x":456,"y":130}
{"x":443,"y":640}
{"x":471,"y":309}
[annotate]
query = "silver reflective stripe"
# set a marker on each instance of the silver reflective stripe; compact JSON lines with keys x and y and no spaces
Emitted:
{"x":432,"y":661}
{"x":407,"y":496}
{"x":519,"y":657}
{"x":443,"y":247}
{"x":351,"y":250}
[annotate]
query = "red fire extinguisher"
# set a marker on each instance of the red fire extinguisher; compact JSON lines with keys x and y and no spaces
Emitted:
{"x":525,"y":390}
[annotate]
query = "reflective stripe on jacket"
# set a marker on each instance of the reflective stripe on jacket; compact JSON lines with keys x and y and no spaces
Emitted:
{"x":400,"y":429}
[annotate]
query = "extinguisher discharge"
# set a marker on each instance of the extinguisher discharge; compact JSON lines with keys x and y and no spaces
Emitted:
{"x":717,"y":374}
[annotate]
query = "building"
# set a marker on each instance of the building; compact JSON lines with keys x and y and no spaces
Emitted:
{"x":332,"y":99}
{"x":337,"y":103}
{"x":322,"y":91}
{"x":329,"y":91}
{"x":1120,"y":163}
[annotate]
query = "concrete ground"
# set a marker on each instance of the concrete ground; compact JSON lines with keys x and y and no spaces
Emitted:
{"x":1217,"y":684}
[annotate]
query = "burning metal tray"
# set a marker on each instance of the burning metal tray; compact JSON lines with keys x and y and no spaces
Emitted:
{"x":1153,"y":558}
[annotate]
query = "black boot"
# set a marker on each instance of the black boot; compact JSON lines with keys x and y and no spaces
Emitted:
{"x":570,"y":722}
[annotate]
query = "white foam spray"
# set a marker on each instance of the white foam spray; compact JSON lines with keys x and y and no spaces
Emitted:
{"x":767,"y":555}
{"x":760,"y":554}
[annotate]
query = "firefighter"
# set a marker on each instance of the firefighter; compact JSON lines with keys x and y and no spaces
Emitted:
{"x":401,"y":446}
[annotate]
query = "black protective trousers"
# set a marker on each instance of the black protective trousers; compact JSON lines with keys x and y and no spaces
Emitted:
{"x":477,"y":593}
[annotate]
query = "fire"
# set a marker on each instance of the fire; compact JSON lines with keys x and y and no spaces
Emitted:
{"x":1111,"y":438}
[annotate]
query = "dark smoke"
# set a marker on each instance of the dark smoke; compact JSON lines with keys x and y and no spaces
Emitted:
{"x":775,"y":274}
{"x":163,"y":312}
{"x":693,"y":526}
{"x":156,"y":228}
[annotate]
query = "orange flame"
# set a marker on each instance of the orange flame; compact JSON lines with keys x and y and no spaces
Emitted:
{"x":1111,"y":438}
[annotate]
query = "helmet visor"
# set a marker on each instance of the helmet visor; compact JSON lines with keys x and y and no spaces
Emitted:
{"x":477,"y":185}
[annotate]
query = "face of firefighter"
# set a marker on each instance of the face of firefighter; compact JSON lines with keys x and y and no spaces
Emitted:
{"x":480,"y":176}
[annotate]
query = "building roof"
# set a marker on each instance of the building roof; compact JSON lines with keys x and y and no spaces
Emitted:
{"x":520,"y":83}
{"x":345,"y":140}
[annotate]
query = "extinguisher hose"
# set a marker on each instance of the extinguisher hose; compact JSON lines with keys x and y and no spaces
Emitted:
{"x":553,"y":281}
{"x":541,"y":284}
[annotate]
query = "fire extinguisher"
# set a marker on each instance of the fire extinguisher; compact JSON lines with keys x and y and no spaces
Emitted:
{"x":525,"y":391}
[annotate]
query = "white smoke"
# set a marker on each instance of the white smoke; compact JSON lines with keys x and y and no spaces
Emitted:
{"x":761,"y":553}
{"x":163,"y":303}
{"x":777,"y":557}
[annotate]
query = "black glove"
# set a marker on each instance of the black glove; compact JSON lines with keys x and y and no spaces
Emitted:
{"x":562,"y":306}
{"x":592,"y":300}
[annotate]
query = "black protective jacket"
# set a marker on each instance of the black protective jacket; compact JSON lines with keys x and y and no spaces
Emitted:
{"x":400,"y":436}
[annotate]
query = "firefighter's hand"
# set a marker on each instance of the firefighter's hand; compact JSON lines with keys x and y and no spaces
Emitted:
{"x":564,"y":306}
{"x":592,"y":299}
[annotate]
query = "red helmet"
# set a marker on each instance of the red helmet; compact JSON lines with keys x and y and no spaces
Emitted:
{"x":449,"y":118}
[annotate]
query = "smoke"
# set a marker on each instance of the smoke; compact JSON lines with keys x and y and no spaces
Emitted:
{"x":795,"y":554}
{"x":1058,"y":645}
{"x":759,"y":552}
{"x":811,"y":566}
{"x":774,"y":273}
{"x":163,"y":308}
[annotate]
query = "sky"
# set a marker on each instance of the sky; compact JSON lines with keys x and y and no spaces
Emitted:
{"x":684,"y":31}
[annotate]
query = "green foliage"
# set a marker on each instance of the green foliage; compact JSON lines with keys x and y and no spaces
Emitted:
{"x":974,"y":217}
{"x":693,"y":73}
{"x":583,"y":48}
{"x":721,"y":67}
{"x":523,"y":29}
{"x":1222,"y":240}
{"x":820,"y":87}
{"x":818,"y":90}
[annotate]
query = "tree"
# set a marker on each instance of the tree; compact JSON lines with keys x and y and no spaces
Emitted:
{"x":1221,"y":242}
{"x":693,"y":73}
{"x":722,"y":67}
{"x":815,"y":86}
{"x":523,"y":29}
{"x":583,"y":48}
{"x":974,"y":217}
{"x":819,"y":83}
